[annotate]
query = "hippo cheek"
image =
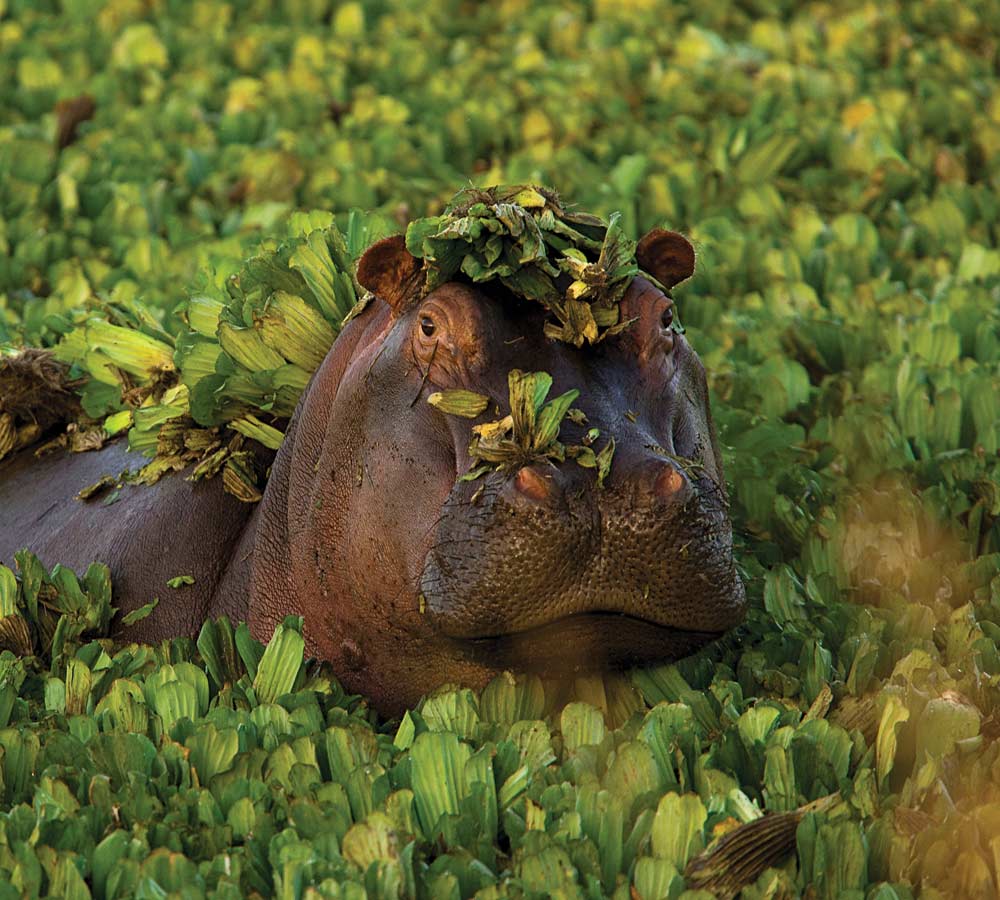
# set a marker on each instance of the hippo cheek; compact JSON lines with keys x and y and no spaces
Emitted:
{"x":372,"y":616}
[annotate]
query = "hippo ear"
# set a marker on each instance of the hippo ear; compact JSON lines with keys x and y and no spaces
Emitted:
{"x":391,"y":272}
{"x":667,"y":256}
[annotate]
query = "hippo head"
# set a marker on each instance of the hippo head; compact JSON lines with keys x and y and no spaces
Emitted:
{"x":410,"y":577}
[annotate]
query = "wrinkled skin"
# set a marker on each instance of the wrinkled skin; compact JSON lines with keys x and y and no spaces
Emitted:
{"x":409,"y":577}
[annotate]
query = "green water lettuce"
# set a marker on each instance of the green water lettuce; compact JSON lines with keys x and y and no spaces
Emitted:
{"x":835,"y":167}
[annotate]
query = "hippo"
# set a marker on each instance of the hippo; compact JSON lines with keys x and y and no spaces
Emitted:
{"x":409,"y":576}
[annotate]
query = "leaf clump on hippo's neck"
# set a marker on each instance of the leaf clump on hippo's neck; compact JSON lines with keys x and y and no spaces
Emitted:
{"x":253,"y":340}
{"x":574,"y":264}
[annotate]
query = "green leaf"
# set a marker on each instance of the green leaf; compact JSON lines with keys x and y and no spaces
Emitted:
{"x":582,"y":725}
{"x":281,"y":663}
{"x":438,"y":762}
{"x":678,"y":829}
{"x":551,"y":417}
{"x":467,"y":404}
{"x":9,"y":592}
{"x":894,"y":714}
{"x":137,"y":615}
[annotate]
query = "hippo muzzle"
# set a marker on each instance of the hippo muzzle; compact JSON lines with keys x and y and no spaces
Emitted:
{"x":544,"y":571}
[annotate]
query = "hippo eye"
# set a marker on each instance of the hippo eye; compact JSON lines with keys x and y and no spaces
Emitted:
{"x":427,"y":326}
{"x":667,"y":319}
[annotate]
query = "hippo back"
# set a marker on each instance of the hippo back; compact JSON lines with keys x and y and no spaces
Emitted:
{"x":145,"y":534}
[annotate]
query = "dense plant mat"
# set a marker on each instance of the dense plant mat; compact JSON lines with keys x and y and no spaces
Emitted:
{"x":222,"y":766}
{"x":837,"y":167}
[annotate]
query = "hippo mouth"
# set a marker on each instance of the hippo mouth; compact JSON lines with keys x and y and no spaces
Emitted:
{"x":586,"y":642}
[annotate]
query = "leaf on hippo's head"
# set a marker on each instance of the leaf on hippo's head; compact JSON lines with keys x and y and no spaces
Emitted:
{"x":521,"y":236}
{"x":466,"y":404}
{"x":617,"y":260}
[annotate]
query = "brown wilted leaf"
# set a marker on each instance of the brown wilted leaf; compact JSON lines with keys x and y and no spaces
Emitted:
{"x":70,"y":113}
{"x":739,"y":856}
{"x":15,"y":635}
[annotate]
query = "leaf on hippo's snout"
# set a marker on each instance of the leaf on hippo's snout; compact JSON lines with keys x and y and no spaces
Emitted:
{"x":492,"y":431}
{"x":580,"y":324}
{"x":604,"y":461}
{"x":531,"y":432}
{"x":584,"y":456}
{"x":551,"y":417}
{"x":475,"y":473}
{"x":467,"y":404}
{"x":528,"y":391}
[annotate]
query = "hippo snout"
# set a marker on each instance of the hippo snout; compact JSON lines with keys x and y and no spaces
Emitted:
{"x":661,"y":482}
{"x":541,"y":562}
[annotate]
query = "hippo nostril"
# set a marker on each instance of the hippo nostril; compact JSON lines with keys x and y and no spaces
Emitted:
{"x":533,"y":484}
{"x":671,"y":486}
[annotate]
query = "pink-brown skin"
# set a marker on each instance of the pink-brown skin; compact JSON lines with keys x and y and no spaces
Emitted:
{"x":408,"y":580}
{"x":405,"y":578}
